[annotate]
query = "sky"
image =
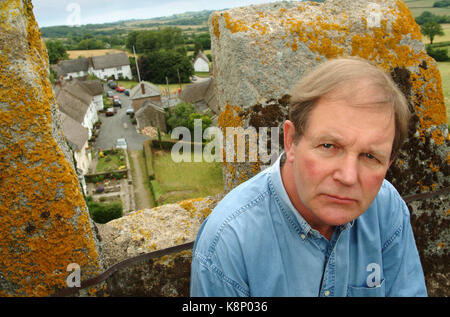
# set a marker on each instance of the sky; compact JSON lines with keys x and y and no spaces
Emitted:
{"x":76,"y":12}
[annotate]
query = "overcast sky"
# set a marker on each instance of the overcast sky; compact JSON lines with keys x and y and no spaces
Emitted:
{"x":70,"y":12}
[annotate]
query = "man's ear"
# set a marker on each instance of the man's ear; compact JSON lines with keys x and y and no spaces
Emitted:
{"x":289,"y":138}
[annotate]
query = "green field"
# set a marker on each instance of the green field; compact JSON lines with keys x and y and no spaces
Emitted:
{"x":418,"y":6}
{"x":184,"y":180}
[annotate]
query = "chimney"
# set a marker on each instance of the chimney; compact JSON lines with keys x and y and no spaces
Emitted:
{"x":143,"y":88}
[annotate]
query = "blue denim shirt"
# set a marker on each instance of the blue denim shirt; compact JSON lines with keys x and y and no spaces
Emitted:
{"x":255,"y":243}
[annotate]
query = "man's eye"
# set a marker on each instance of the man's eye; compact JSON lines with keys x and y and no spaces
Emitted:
{"x":369,"y":156}
{"x":327,"y":146}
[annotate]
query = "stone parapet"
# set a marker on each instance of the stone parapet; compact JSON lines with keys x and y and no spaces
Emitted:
{"x":45,"y":224}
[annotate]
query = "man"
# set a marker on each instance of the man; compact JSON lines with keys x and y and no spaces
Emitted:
{"x":321,"y":221}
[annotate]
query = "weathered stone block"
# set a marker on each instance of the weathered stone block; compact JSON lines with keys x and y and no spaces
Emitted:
{"x":150,"y":230}
{"x":44,"y":223}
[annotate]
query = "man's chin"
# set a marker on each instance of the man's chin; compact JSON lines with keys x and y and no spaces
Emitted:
{"x":338,"y":215}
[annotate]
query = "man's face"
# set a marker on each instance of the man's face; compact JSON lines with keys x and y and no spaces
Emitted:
{"x":340,"y":161}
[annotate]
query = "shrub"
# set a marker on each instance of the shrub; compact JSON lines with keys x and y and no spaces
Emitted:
{"x":156,"y":190}
{"x":148,"y":159}
{"x":439,"y":54}
{"x":103,"y":213}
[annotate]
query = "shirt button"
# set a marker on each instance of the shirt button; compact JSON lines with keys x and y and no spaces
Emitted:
{"x":326,"y":293}
{"x":303,"y":236}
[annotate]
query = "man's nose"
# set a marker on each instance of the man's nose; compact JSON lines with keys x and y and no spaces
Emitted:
{"x":347,"y":170}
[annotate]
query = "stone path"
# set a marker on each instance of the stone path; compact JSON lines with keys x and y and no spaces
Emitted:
{"x":142,"y":195}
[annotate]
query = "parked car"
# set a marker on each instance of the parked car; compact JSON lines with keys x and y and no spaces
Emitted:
{"x":112,"y":84}
{"x":130,"y":111}
{"x":117,"y":103}
{"x":109,"y":93}
{"x":120,"y":89}
{"x":110,"y":112}
{"x":127,"y":92}
{"x":121,"y":143}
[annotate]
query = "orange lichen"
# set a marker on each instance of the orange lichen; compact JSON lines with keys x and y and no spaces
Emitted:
{"x":234,"y":25}
{"x":45,"y":225}
{"x":434,"y":168}
{"x":215,"y":23}
{"x":230,"y":117}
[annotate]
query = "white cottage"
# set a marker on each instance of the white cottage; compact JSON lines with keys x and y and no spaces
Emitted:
{"x":201,"y":63}
{"x":77,"y":137}
{"x":77,"y":103}
{"x":73,"y":68}
{"x":105,"y":66}
{"x":95,"y":89}
{"x":111,"y":65}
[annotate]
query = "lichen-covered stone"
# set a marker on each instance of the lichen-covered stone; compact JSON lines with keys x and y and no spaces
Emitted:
{"x":149,"y":230}
{"x":45,"y":225}
{"x":261,"y":51}
{"x":153,"y":229}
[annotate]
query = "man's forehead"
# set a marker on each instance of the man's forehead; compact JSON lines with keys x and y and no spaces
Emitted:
{"x":357,"y":90}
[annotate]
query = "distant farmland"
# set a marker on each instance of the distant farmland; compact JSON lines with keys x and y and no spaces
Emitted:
{"x":89,"y":53}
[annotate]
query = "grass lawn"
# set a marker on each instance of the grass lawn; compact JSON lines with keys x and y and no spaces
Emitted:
{"x":172,"y":87}
{"x":111,"y":162}
{"x":202,"y":74}
{"x":184,"y":180}
{"x":127,"y":84}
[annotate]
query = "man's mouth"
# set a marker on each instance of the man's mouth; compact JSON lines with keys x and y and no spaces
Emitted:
{"x":340,"y":199}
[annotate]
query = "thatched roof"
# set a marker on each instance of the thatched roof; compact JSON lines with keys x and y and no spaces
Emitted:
{"x":71,"y":66}
{"x":74,"y":132}
{"x":73,"y":100}
{"x":110,"y":60}
{"x":201,"y":92}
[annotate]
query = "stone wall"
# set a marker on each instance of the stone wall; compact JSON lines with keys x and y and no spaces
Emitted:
{"x":45,"y":225}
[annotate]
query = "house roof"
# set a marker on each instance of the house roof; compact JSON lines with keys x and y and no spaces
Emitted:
{"x":147,"y":112}
{"x":93,"y":87}
{"x":201,"y":55}
{"x":73,"y":100}
{"x":71,"y":66}
{"x":110,"y":60}
{"x":148,"y":105}
{"x":73,"y":131}
{"x":150,"y":90}
{"x":201,"y":92}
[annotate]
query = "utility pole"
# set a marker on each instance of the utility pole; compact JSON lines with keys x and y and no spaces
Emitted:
{"x":137,"y":67}
{"x":168,"y":92}
{"x":179,"y":80}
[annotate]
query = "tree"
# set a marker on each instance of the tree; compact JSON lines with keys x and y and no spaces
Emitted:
{"x":431,"y":29}
{"x":156,"y":66}
{"x":178,"y":116}
{"x":56,"y":51}
{"x":206,"y":121}
{"x":441,"y":4}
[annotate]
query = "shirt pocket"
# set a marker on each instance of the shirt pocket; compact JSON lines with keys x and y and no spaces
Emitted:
{"x":377,"y":291}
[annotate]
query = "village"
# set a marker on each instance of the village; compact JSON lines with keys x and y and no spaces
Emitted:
{"x":98,"y":115}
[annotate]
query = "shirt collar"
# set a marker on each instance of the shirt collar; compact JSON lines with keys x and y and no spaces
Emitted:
{"x":285,"y":202}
